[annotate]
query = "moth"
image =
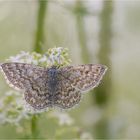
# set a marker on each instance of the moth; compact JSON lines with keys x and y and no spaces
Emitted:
{"x":60,"y":87}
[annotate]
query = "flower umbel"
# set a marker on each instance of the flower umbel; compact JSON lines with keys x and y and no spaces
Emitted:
{"x":55,"y":56}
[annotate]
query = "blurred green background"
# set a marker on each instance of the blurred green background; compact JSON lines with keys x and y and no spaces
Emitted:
{"x":106,"y":32}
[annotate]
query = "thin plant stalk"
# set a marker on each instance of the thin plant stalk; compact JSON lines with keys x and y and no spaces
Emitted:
{"x":39,"y":39}
{"x":39,"y":36}
{"x":34,"y":129}
{"x":103,"y":93}
{"x":105,"y":38}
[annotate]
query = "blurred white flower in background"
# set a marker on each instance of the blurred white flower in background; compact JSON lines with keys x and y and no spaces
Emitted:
{"x":11,"y":108}
{"x":63,"y":118}
{"x":86,"y":136}
{"x":88,"y":118}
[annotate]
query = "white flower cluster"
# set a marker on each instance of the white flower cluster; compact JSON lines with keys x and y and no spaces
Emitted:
{"x":55,"y":56}
{"x":58,"y":56}
{"x":11,"y":108}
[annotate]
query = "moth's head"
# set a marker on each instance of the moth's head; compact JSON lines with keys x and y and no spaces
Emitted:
{"x":52,"y":71}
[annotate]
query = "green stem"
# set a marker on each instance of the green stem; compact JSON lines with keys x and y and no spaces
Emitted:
{"x":103,"y":92}
{"x":34,"y":129}
{"x":105,"y":37}
{"x":39,"y":38}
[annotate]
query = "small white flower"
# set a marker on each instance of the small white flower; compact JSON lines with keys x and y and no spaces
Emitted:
{"x":86,"y":136}
{"x":43,"y":59}
{"x":63,"y":118}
